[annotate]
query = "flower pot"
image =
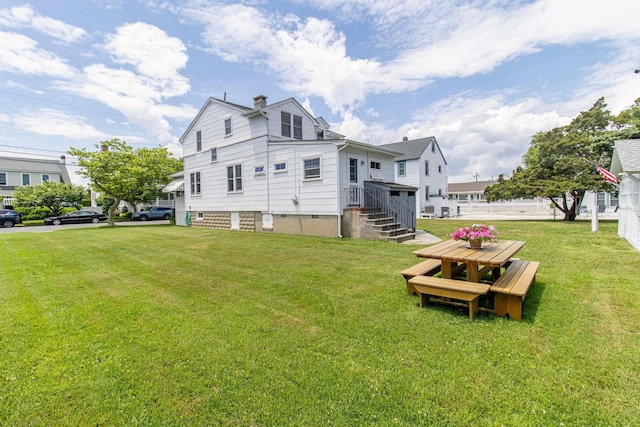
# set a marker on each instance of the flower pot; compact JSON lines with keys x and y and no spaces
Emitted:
{"x":475,"y":243}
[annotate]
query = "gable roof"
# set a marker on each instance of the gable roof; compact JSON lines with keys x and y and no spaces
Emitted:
{"x":469,"y":187}
{"x":412,"y":149}
{"x":34,"y":165}
{"x":211,"y":100}
{"x":626,"y":156}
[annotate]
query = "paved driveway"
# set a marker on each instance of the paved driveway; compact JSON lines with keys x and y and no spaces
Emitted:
{"x":49,"y":228}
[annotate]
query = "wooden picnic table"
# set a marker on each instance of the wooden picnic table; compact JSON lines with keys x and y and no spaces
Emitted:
{"x":456,"y":256}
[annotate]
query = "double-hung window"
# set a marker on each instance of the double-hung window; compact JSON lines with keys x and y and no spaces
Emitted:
{"x":3,"y":178}
{"x":214,"y":154}
{"x":227,"y":127}
{"x":195,"y":183}
{"x":45,"y":177}
{"x":426,"y":167}
{"x":199,"y":141}
{"x":287,"y":124}
{"x":26,"y":179}
{"x":297,"y":127}
{"x":426,"y":193}
{"x":312,"y":168}
{"x":402,"y":168}
{"x":285,"y":119}
{"x":234,"y":178}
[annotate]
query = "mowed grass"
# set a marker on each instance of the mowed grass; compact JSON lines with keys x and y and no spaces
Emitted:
{"x":163,"y":325}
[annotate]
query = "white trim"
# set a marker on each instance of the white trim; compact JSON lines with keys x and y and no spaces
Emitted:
{"x":286,"y":168}
{"x":304,"y":170}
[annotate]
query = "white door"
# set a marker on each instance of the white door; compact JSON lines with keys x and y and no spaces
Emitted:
{"x":235,"y":220}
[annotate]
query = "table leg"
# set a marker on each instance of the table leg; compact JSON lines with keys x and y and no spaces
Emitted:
{"x":472,"y":272}
{"x":446,"y":270}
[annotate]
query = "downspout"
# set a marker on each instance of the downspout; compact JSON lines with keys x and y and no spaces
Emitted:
{"x":267,"y":165}
{"x":338,"y":188}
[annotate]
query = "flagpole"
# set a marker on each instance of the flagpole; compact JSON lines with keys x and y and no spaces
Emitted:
{"x":594,"y":213}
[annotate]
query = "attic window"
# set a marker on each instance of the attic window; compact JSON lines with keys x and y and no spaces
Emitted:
{"x":433,"y":147}
{"x":199,"y":141}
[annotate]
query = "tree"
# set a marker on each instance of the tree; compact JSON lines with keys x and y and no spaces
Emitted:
{"x":123,"y":173}
{"x":52,"y":195}
{"x":555,"y":165}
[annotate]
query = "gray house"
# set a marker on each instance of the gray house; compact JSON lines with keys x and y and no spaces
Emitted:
{"x":18,"y":171}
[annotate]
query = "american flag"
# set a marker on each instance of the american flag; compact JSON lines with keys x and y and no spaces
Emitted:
{"x":608,"y":176}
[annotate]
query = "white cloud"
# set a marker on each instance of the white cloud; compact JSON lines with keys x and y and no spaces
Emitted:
{"x":20,"y":55}
{"x":139,"y":94}
{"x":50,"y":122}
{"x":26,"y":16}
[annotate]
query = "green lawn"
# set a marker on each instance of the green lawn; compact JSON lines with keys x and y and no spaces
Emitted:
{"x":176,"y":326}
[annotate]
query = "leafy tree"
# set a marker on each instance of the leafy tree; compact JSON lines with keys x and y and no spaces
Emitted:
{"x":555,"y":165}
{"x":627,"y":123}
{"x":123,"y":173}
{"x":51,"y":195}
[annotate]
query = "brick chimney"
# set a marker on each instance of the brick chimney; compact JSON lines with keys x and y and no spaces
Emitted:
{"x":404,"y":138}
{"x":63,"y":159}
{"x":259,"y":101}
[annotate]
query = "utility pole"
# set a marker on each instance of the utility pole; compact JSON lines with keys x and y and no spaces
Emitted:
{"x":477,"y":175}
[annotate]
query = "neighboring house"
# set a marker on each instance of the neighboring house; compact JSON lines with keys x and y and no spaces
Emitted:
{"x":277,"y":168}
{"x":469,"y":191}
{"x":422,"y":165}
{"x":19,"y":171}
{"x":625,"y":164}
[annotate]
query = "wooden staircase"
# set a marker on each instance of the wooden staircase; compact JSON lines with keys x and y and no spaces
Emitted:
{"x":383,"y":226}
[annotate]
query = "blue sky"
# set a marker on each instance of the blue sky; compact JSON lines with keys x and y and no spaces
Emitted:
{"x":482,"y":76}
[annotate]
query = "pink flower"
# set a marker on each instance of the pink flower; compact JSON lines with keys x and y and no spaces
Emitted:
{"x":475,"y":232}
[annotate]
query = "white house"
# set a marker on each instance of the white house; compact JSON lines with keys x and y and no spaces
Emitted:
{"x":625,"y":164}
{"x":422,"y":165}
{"x":277,"y":168}
{"x":18,"y":171}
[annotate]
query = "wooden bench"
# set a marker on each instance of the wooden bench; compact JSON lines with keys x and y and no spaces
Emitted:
{"x":511,"y":288}
{"x":426,"y":268}
{"x":428,"y":286}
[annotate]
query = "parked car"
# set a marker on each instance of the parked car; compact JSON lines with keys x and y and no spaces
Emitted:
{"x":76,"y":217}
{"x":156,"y":212}
{"x":9,"y":218}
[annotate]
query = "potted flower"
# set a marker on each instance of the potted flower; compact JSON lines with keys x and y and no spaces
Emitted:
{"x":476,"y":234}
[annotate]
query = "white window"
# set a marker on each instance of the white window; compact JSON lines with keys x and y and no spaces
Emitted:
{"x":26,"y":179}
{"x":234,"y":178}
{"x":426,"y":167}
{"x":199,"y":141}
{"x":402,"y":168}
{"x":227,"y":127}
{"x":312,"y":168}
{"x":286,"y":125}
{"x":3,"y":178}
{"x":258,"y":170}
{"x":280,"y":167}
{"x":297,"y":127}
{"x":375,"y":165}
{"x":353,"y":170}
{"x":199,"y":216}
{"x":195,"y":183}
{"x":45,"y":177}
{"x":214,"y":154}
